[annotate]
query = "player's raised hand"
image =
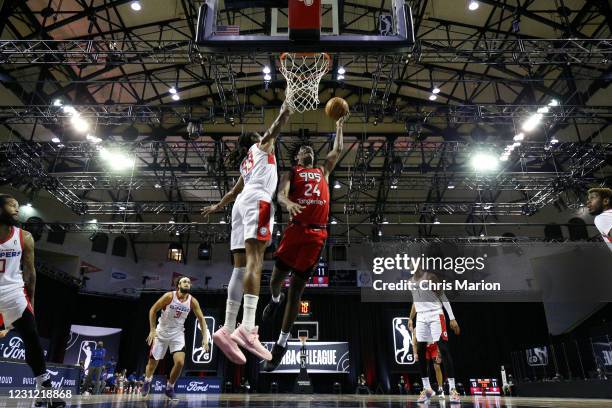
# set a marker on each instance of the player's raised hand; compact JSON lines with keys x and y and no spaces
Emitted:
{"x":285,"y":109}
{"x":294,"y":208}
{"x":151,"y":337}
{"x":340,"y":122}
{"x":210,"y":209}
{"x":455,"y":327}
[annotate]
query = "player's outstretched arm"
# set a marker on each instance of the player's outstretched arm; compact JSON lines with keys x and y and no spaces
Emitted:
{"x":334,"y":154}
{"x":29,"y":269}
{"x":269,"y":138}
{"x":195,"y":305}
{"x":227,"y":198}
{"x":411,"y":317}
{"x":162,"y":302}
{"x":283,"y":196}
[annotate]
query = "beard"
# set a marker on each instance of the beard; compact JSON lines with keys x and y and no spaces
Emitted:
{"x":307,"y":160}
{"x":6,"y":219}
{"x":185,"y":291}
{"x":596,"y":211}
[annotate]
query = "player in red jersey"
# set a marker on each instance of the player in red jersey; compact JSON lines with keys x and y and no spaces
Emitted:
{"x":304,"y":193}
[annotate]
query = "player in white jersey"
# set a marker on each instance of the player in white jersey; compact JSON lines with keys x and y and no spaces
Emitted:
{"x":252,"y":225}
{"x":431,"y":328}
{"x":169,"y":332}
{"x":599,"y":205}
{"x":17,"y":288}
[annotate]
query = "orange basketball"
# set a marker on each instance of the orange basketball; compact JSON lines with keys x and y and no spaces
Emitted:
{"x":336,"y":107}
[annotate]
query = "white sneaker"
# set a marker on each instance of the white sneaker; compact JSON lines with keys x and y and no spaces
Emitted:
{"x":441,"y":393}
{"x":86,"y":394}
{"x":426,"y":395}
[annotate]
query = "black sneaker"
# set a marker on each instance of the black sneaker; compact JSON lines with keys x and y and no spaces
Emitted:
{"x":272,"y":308}
{"x":277,"y":355}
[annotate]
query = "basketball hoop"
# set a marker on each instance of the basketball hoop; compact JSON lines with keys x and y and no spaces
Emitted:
{"x":303,"y":338}
{"x":303,"y":72}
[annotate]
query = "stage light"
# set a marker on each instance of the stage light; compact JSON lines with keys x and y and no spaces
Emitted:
{"x":432,"y":97}
{"x":172,"y":90}
{"x":333,"y":221}
{"x":171,"y":222}
{"x":436,"y":220}
{"x":503,"y":158}
{"x":543,"y":109}
{"x":337,"y":185}
{"x":482,"y":235}
{"x":121,"y":208}
{"x":267,"y":77}
{"x":553,"y":103}
{"x":554,"y":140}
{"x":487,"y":206}
{"x":473,"y":5}
{"x":519,"y":137}
{"x":117,"y":160}
{"x":175,"y":97}
{"x":69,"y":110}
{"x":56,"y":140}
{"x":340,"y":77}
{"x":436,"y":90}
{"x":266,"y":70}
{"x":532,"y":122}
{"x":93,"y":139}
{"x":80,"y":124}
{"x":341,"y":71}
{"x":157,"y":185}
{"x":385,"y":222}
{"x":57,"y":103}
{"x":94,"y":221}
{"x":484,"y":162}
{"x":380,"y":233}
{"x":177,"y":233}
{"x":222,"y":221}
{"x":136,"y":6}
{"x":451,"y":186}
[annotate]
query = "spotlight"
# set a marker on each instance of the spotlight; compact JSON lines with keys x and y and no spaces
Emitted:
{"x":554,"y":140}
{"x":337,"y":185}
{"x":222,"y":221}
{"x":503,"y":158}
{"x":532,"y":122}
{"x":29,"y":205}
{"x":482,"y":235}
{"x":117,"y":160}
{"x":93,"y":139}
{"x":57,"y":102}
{"x":340,"y":77}
{"x":484,"y":162}
{"x":266,"y":70}
{"x":267,"y":77}
{"x":175,"y":97}
{"x":341,"y":71}
{"x":385,"y":221}
{"x":80,"y":124}
{"x":136,"y":6}
{"x":436,"y":90}
{"x":60,"y":145}
{"x":177,"y":233}
{"x":432,"y":97}
{"x":121,"y":208}
{"x":94,"y":221}
{"x":393,"y":187}
{"x":487,"y":206}
{"x":473,"y":5}
{"x":436,"y":220}
{"x":333,"y":221}
{"x":172,"y":90}
{"x":69,"y":110}
{"x":380,"y":233}
{"x":553,"y":103}
{"x":171,"y":222}
{"x":544,"y":109}
{"x":157,"y":185}
{"x":56,"y":140}
{"x":519,"y":137}
{"x":451,"y":186}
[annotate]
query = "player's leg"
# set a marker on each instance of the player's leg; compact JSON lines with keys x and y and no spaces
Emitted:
{"x":235,"y":290}
{"x":449,"y":367}
{"x":439,"y":377}
{"x":423,"y":335}
{"x":156,"y":353}
{"x":177,"y":349}
{"x":279,"y":274}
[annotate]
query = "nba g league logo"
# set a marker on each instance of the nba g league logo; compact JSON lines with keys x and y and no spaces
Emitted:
{"x":402,"y":341}
{"x":198,"y":355}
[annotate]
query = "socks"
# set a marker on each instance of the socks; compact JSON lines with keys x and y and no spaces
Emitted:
{"x":276,"y":299}
{"x":42,"y":379}
{"x":282,"y":339}
{"x":451,"y":384}
{"x":231,"y":312}
{"x":248,"y":313}
{"x":426,"y":384}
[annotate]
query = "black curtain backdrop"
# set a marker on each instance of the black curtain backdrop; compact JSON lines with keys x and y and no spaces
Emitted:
{"x":490,"y":332}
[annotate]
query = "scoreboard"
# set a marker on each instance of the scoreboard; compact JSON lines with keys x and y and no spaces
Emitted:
{"x":484,"y":386}
{"x":319,"y":278}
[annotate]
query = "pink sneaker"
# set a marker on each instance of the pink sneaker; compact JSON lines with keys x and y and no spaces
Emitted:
{"x":250,"y":341}
{"x":223,"y":339}
{"x":455,"y":398}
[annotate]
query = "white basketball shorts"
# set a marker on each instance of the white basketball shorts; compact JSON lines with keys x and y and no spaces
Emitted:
{"x":430,"y":327}
{"x":252,"y":218}
{"x":164,"y":342}
{"x":13,"y":302}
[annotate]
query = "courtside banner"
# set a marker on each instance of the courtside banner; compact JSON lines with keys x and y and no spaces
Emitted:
{"x":489,"y":271}
{"x":322,"y":357}
{"x":12,"y":346}
{"x":187,"y":385}
{"x":602,"y":352}
{"x":84,"y":339}
{"x":15,"y":375}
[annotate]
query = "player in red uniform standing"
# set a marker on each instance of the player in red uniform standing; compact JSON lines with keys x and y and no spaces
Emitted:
{"x":304,"y":193}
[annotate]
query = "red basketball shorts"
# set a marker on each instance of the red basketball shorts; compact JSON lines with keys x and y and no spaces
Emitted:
{"x":301,"y":247}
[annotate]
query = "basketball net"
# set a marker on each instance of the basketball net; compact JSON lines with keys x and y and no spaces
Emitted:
{"x":303,"y":73}
{"x":303,"y":340}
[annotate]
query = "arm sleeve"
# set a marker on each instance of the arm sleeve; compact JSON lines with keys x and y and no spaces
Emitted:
{"x":447,"y":306}
{"x":603,"y":222}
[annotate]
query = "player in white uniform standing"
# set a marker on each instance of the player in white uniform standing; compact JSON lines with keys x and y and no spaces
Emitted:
{"x":252,"y":225}
{"x":599,"y":205}
{"x":17,"y":288}
{"x":169,"y":332}
{"x":431,"y":328}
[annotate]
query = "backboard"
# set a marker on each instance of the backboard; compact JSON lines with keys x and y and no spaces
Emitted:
{"x":226,"y":26}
